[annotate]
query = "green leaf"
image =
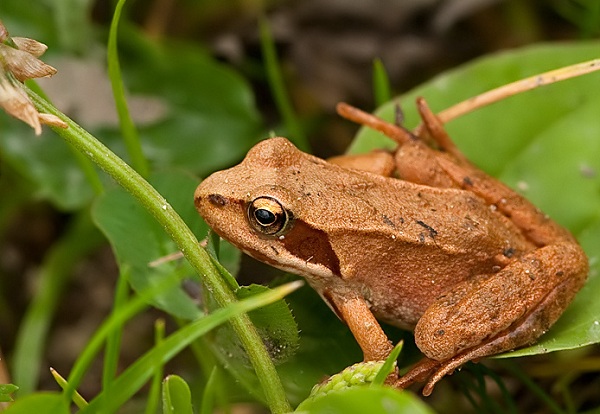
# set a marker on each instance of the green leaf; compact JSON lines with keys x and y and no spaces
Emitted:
{"x":138,"y":239}
{"x":177,"y":398}
{"x":32,"y":21}
{"x":41,"y":402}
{"x":580,"y":324}
{"x":389,"y":365}
{"x":47,"y":162}
{"x":381,"y":83}
{"x":278,"y":87}
{"x":278,"y":331}
{"x":211,"y":120}
{"x":6,"y":390}
{"x":545,"y":142}
{"x":137,"y":374}
{"x":372,"y":400}
{"x":275,"y":323}
{"x":210,"y":392}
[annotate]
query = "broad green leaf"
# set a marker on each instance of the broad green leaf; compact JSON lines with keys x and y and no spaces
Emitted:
{"x":372,"y":400}
{"x":544,"y":142}
{"x":46,"y":161}
{"x":277,"y":328}
{"x":211,"y":120}
{"x":41,"y":402}
{"x":580,"y":324}
{"x":138,"y":239}
{"x":275,"y":323}
{"x":177,"y":398}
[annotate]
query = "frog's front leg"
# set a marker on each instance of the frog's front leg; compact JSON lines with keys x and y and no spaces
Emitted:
{"x":355,"y":312}
{"x":498,"y":312}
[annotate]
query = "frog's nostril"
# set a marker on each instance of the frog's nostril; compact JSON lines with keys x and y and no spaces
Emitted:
{"x":217,"y":200}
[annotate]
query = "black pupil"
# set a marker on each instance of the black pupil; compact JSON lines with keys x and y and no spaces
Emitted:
{"x":264,"y":216}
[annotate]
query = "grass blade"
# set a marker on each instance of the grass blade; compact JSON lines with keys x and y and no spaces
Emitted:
{"x":127,"y":384}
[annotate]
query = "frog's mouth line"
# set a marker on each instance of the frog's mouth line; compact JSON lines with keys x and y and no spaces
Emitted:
{"x":302,"y":250}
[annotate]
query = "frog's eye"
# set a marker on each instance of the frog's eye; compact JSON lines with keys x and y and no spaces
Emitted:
{"x":267,"y":216}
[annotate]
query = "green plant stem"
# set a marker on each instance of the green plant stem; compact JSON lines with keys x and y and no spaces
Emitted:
{"x":185,"y":240}
{"x":113,"y":342}
{"x":128,"y":129}
{"x":114,"y":322}
{"x":87,"y":167}
{"x":278,"y":89}
{"x":154,"y":393}
{"x":80,"y":239}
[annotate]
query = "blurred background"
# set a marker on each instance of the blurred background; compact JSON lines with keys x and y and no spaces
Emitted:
{"x":326,"y":51}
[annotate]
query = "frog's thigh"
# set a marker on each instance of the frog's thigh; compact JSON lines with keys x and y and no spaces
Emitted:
{"x":417,"y":163}
{"x":376,"y":162}
{"x":505,"y":310}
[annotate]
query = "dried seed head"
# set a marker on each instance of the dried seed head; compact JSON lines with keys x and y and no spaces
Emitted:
{"x":19,"y":62}
{"x":24,"y":65}
{"x":3,"y":32}
{"x":30,"y":46}
{"x":15,"y":102}
{"x":52,"y":120}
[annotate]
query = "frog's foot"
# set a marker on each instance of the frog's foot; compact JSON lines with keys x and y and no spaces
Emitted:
{"x":431,"y":371}
{"x":423,"y":370}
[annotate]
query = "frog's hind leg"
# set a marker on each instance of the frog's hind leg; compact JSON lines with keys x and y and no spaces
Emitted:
{"x":396,"y":132}
{"x":503,"y":311}
{"x":434,"y":129}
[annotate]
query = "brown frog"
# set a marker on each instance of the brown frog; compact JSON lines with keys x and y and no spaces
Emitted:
{"x":418,"y":238}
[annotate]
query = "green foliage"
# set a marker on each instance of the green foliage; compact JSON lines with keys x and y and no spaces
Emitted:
{"x":137,"y":374}
{"x":389,"y":365}
{"x":381,"y":83}
{"x":207,"y":106}
{"x":275,"y":323}
{"x":177,"y":398}
{"x":41,"y":402}
{"x":363,"y":373}
{"x":116,"y":213}
{"x":374,"y":399}
{"x":5,"y":392}
{"x":79,"y":239}
{"x":284,"y":104}
{"x":208,"y":121}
